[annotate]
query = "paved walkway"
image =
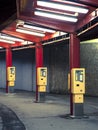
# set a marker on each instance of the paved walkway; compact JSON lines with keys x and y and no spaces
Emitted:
{"x":27,"y":115}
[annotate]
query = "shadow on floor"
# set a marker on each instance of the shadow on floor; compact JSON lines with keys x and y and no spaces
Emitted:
{"x":10,"y":121}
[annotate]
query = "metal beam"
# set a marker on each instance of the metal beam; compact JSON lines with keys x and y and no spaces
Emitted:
{"x":54,"y":24}
{"x":93,"y":3}
{"x":74,"y":52}
{"x":8,"y":63}
{"x":39,"y":63}
{"x":86,"y":20}
{"x":16,"y":44}
{"x":49,"y":36}
{"x":22,"y":36}
{"x":24,"y":6}
{"x":5,"y":45}
{"x":89,"y":2}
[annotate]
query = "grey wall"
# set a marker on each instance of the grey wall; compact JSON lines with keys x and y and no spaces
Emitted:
{"x":57,"y":58}
{"x":24,"y":61}
{"x":89,"y":60}
{"x":2,"y":70}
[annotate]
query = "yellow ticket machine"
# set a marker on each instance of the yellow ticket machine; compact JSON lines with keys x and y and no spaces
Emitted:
{"x":78,"y":80}
{"x":78,"y":90}
{"x":11,"y":76}
{"x":41,"y":79}
{"x":78,"y":84}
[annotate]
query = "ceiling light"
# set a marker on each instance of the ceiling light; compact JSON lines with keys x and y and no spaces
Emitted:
{"x":39,"y":28}
{"x":24,"y":43}
{"x":7,"y":41}
{"x":62,"y":6}
{"x":21,"y":30}
{"x":62,"y":33}
{"x":55,"y":16}
{"x":27,"y":42}
{"x":6,"y":37}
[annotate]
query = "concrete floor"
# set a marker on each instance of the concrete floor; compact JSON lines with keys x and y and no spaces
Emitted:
{"x":19,"y":112}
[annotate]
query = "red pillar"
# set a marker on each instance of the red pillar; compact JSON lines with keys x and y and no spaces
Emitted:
{"x":74,"y":59}
{"x":8,"y":63}
{"x":39,"y":62}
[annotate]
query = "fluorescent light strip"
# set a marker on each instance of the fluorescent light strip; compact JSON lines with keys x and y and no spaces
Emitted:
{"x":27,"y":42}
{"x":39,"y":28}
{"x":55,"y":16}
{"x":62,"y":33}
{"x":11,"y":38}
{"x":62,"y":7}
{"x":7,"y":41}
{"x":30,"y":32}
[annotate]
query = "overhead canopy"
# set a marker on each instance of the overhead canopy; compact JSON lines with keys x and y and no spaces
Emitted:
{"x":57,"y":15}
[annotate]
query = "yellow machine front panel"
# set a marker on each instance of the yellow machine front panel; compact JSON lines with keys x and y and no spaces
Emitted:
{"x":42,"y":76}
{"x":78,"y":98}
{"x":78,"y":81}
{"x":41,"y":88}
{"x":11,"y":73}
{"x":11,"y":83}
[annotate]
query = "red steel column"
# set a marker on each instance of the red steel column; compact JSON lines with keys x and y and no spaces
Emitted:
{"x":74,"y":52}
{"x":8,"y":63}
{"x":39,"y":62}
